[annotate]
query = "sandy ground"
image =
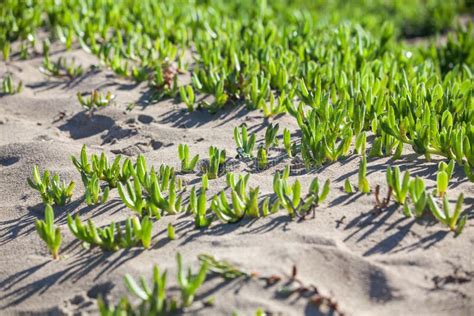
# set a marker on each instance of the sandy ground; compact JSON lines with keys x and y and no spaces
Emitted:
{"x":371,"y":265}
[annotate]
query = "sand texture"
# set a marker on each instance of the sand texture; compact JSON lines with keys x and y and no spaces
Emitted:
{"x":371,"y":264}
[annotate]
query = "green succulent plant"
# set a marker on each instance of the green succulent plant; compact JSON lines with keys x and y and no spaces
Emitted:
{"x":48,"y":232}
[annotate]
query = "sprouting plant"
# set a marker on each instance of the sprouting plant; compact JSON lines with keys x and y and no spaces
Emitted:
{"x":204,"y":182}
{"x":171,"y":232}
{"x":418,"y":196}
{"x":94,"y":193}
{"x":187,"y":164}
{"x":187,"y":96}
{"x":348,"y":187}
{"x":262,"y":160}
{"x":454,"y":221}
{"x":51,"y":189}
{"x":95,"y":101}
{"x":216,"y":161}
{"x":271,"y":136}
{"x":8,"y":87}
{"x":113,"y":236}
{"x":364,"y":186}
{"x":289,"y":147}
{"x":445,"y":172}
{"x":245,"y":144}
{"x":399,"y":186}
{"x":198,"y":207}
{"x":50,"y":234}
{"x":61,"y":68}
{"x":223,"y":268}
{"x":153,"y":301}
{"x":172,"y":204}
{"x":361,"y":143}
{"x":189,"y":283}
{"x":226,"y":212}
{"x":131,"y":195}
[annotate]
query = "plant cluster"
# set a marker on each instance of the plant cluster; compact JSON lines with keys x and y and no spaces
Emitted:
{"x":51,"y":189}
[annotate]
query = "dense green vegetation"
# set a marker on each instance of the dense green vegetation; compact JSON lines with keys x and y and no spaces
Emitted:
{"x":342,"y":69}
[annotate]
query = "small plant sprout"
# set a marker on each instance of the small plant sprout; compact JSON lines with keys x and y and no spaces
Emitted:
{"x":171,"y":232}
{"x":198,"y":207}
{"x":445,"y":172}
{"x":172,"y":204}
{"x":245,"y":144}
{"x":131,"y":195}
{"x":289,"y":147}
{"x":189,"y":283}
{"x":262,"y":160}
{"x":271,"y":139}
{"x":225,"y":212}
{"x":454,"y":221}
{"x":418,"y":196}
{"x":399,"y":186}
{"x":50,"y":234}
{"x":216,"y":162}
{"x":348,"y":187}
{"x":187,"y":164}
{"x":8,"y":87}
{"x":95,"y":101}
{"x":364,"y":186}
{"x":187,"y":96}
{"x":94,"y":193}
{"x":113,"y":236}
{"x":204,"y":182}
{"x":52,"y":190}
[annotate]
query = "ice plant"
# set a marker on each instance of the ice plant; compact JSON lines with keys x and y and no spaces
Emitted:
{"x":364,"y":186}
{"x":8,"y":86}
{"x":51,"y":189}
{"x":216,"y":161}
{"x":454,"y":221}
{"x":245,"y":144}
{"x":50,"y":234}
{"x":94,"y":193}
{"x":289,"y":147}
{"x":131,"y":195}
{"x":262,"y":160}
{"x":348,"y":187}
{"x":271,"y":139}
{"x":95,"y":101}
{"x":418,"y":196}
{"x":187,"y":96}
{"x":187,"y":164}
{"x":199,"y":209}
{"x":445,"y":172}
{"x":171,"y":232}
{"x":189,"y":283}
{"x":400,"y":186}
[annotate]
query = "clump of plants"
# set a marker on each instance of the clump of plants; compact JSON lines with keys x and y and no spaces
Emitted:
{"x":51,"y":189}
{"x":187,"y":163}
{"x":444,"y":215}
{"x":8,"y":87}
{"x":97,"y":100}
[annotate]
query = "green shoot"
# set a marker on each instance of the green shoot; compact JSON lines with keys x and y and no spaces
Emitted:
{"x":364,"y":186}
{"x":348,"y":187}
{"x":8,"y":87}
{"x":187,"y":164}
{"x":95,"y":101}
{"x":289,"y":147}
{"x":189,"y":283}
{"x":245,"y":145}
{"x":454,"y":221}
{"x":52,"y":190}
{"x":94,"y":193}
{"x":399,"y":186}
{"x":418,"y":196}
{"x":50,"y":234}
{"x":187,"y":96}
{"x":271,"y":139}
{"x":262,"y":160}
{"x":171,"y":232}
{"x":216,"y":161}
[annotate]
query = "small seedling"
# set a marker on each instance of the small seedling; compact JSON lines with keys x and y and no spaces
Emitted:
{"x":95,"y":101}
{"x":94,"y":193}
{"x":398,"y":185}
{"x":50,"y":234}
{"x":131,"y":195}
{"x":445,"y":172}
{"x":187,"y":96}
{"x":262,"y":160}
{"x":454,"y":221}
{"x":113,"y":236}
{"x":198,"y":207}
{"x":245,"y":145}
{"x":171,"y":231}
{"x":216,"y":161}
{"x":8,"y":87}
{"x":52,"y":190}
{"x":364,"y":186}
{"x":189,"y":283}
{"x":348,"y":187}
{"x":418,"y":196}
{"x":187,"y":164}
{"x":271,"y":139}
{"x":289,"y":147}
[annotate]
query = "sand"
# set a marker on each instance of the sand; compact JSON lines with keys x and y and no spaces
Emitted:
{"x":370,"y":264}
